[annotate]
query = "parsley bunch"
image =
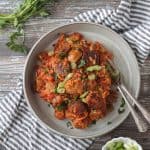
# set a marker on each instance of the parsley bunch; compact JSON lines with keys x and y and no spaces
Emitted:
{"x":17,"y":19}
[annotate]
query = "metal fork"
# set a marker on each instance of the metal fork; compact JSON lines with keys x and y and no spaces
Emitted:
{"x":131,"y":101}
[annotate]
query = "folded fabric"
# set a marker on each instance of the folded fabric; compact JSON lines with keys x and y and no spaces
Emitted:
{"x":20,"y":130}
{"x":131,"y":20}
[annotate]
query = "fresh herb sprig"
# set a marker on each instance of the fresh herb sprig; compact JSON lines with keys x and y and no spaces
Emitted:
{"x":17,"y":19}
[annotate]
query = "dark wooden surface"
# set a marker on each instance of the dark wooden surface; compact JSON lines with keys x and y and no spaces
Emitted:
{"x":62,"y":11}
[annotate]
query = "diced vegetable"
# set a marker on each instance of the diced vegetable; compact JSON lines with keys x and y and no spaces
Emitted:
{"x":122,"y":103}
{"x":83,"y":100}
{"x":69,"y":76}
{"x":60,"y":90}
{"x":84,"y":94}
{"x":93,"y":68}
{"x":51,"y":53}
{"x":62,"y":106}
{"x":121,"y":110}
{"x":60,"y":87}
{"x":109,"y":122}
{"x":113,"y":73}
{"x":73,"y":65}
{"x":119,"y":145}
{"x":82,"y":63}
{"x":116,"y":146}
{"x":91,"y":77}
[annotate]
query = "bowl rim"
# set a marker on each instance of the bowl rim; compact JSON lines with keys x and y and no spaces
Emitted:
{"x":24,"y":80}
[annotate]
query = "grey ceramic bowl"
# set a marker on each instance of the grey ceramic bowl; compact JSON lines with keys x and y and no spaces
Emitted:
{"x":124,"y":59}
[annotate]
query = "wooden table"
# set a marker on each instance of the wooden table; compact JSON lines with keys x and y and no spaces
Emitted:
{"x":62,"y":11}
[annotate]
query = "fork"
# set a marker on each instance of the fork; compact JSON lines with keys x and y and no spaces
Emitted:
{"x":131,"y":101}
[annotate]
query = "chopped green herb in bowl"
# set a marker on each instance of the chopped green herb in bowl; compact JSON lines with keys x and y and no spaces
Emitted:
{"x":122,"y":143}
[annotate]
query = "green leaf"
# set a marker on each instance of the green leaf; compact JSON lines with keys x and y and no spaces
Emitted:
{"x":121,"y":110}
{"x":2,"y":23}
{"x":122,"y":103}
{"x":44,"y":14}
{"x":62,"y":106}
{"x":15,"y":44}
{"x":16,"y":22}
{"x":21,"y":14}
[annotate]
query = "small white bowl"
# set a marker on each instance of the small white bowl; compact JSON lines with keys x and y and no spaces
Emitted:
{"x":124,"y":140}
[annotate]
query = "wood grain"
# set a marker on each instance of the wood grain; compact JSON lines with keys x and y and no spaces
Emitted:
{"x":62,"y":11}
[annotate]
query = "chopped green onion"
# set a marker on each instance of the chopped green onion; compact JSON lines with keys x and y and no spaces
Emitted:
{"x":93,"y":68}
{"x":121,"y":110}
{"x":69,"y":76}
{"x":60,"y":90}
{"x":55,"y":90}
{"x":49,"y":105}
{"x":60,"y":87}
{"x":113,"y":73}
{"x":119,"y":145}
{"x":109,"y":122}
{"x":51,"y":53}
{"x":83,"y":100}
{"x":73,"y":65}
{"x":69,"y":125}
{"x":94,"y":122}
{"x":122,"y":103}
{"x":91,"y":77}
{"x":62,"y":106}
{"x":84,"y":94}
{"x":82,"y":63}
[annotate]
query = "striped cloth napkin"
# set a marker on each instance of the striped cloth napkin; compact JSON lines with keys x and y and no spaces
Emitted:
{"x":19,"y":129}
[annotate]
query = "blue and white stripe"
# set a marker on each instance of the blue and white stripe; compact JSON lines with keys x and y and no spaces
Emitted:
{"x":131,"y":20}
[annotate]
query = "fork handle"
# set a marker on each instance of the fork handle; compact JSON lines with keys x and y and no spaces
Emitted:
{"x":141,"y":124}
{"x":143,"y":110}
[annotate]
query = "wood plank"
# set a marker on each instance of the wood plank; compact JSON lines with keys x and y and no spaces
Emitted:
{"x":62,"y":11}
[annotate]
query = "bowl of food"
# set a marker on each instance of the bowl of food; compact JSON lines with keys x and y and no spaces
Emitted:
{"x":122,"y":143}
{"x":69,"y":85}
